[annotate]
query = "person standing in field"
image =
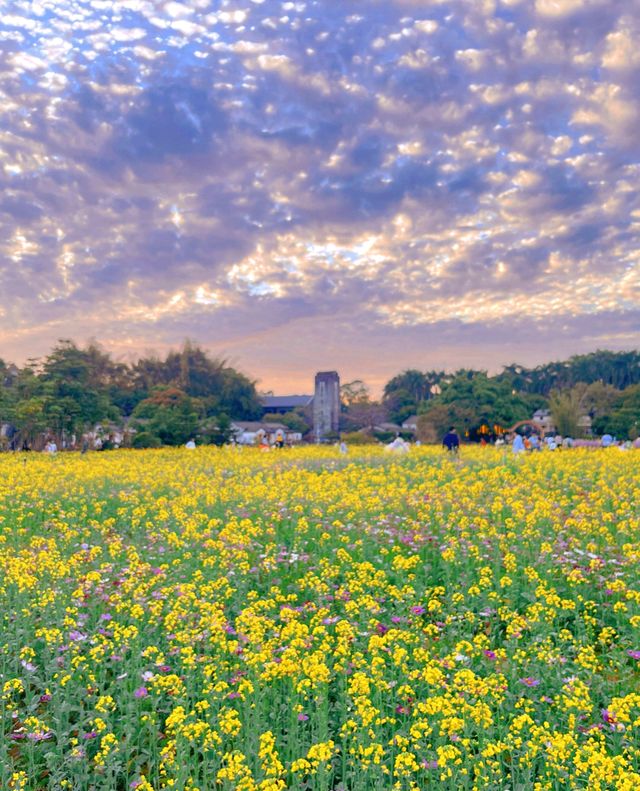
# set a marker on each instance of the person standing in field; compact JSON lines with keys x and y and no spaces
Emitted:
{"x":451,"y":440}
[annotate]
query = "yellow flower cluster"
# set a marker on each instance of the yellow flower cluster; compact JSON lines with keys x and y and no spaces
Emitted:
{"x":246,"y":621}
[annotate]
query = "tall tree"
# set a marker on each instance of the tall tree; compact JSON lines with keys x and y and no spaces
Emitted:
{"x":407,"y":392}
{"x":169,"y":414}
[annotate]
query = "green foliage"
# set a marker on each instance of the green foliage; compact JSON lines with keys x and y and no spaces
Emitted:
{"x":565,"y":411}
{"x":170,"y":414}
{"x":358,"y":438}
{"x":219,"y":387}
{"x":617,"y":369}
{"x":470,"y":399}
{"x":217,"y":430}
{"x":623,"y":420}
{"x":73,"y":389}
{"x":355,"y":392}
{"x":144,"y":439}
{"x":360,"y":411}
{"x":597,"y":400}
{"x":29,"y":416}
{"x":605,"y":372}
{"x":433,"y":424}
{"x":409,"y":391}
{"x":295,"y":421}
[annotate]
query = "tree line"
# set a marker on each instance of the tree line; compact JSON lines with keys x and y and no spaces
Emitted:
{"x":603,"y":385}
{"x":166,"y":399}
{"x":189,"y":394}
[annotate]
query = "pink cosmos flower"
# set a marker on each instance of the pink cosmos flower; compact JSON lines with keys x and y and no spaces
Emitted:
{"x":40,"y":737}
{"x":429,"y":764}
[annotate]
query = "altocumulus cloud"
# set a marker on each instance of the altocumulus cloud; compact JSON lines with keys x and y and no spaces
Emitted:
{"x":416,"y":183}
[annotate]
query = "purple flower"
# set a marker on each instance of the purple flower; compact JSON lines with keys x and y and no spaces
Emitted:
{"x":40,"y":737}
{"x":634,"y":654}
{"x":429,"y":764}
{"x":418,"y":609}
{"x":90,"y":735}
{"x":303,"y":717}
{"x":141,"y":692}
{"x":530,"y":682}
{"x":490,"y":654}
{"x":45,"y":698}
{"x":106,"y":616}
{"x":76,"y":636}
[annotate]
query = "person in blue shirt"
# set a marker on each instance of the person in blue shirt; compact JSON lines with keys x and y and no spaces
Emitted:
{"x":451,"y":440}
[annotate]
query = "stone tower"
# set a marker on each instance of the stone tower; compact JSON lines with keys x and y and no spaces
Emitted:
{"x":326,"y":405}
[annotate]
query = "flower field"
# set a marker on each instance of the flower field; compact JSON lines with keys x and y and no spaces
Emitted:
{"x":218,"y":619}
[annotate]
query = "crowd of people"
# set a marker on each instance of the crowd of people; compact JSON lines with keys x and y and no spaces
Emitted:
{"x":521,"y":444}
{"x":533,"y":442}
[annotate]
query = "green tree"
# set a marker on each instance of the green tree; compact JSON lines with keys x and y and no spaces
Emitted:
{"x":74,"y":383}
{"x":169,"y":414}
{"x":295,"y":421}
{"x":566,"y":410}
{"x":217,"y":430}
{"x":623,"y":420}
{"x":472,"y":399}
{"x":30,"y":419}
{"x":356,"y":392}
{"x":408,"y":392}
{"x":220,"y":388}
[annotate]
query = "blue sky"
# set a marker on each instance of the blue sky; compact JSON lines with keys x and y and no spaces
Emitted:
{"x":302,"y":185}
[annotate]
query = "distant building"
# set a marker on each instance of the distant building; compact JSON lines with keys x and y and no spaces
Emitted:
{"x":326,"y":405}
{"x":254,"y":432}
{"x":410,"y":424}
{"x":388,"y":428}
{"x":543,"y":421}
{"x":280,"y":405}
{"x":584,"y":423}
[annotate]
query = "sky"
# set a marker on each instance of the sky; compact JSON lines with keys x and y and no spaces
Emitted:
{"x":360,"y":185}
